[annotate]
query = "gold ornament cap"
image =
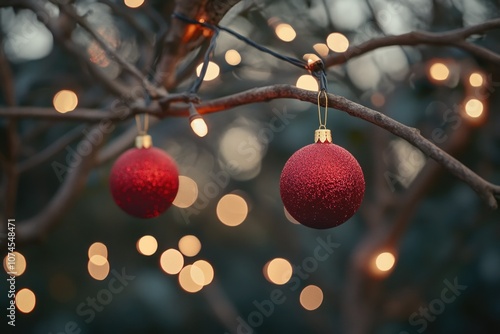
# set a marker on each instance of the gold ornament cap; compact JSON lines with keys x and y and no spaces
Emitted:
{"x":323,"y":135}
{"x":143,"y":141}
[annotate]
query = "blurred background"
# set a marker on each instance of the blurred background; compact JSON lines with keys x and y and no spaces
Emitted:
{"x":421,"y":255}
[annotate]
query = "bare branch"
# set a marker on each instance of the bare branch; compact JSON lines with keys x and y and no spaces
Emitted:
{"x":486,"y":190}
{"x":113,"y":86}
{"x":151,"y":89}
{"x":455,"y":38}
{"x":183,"y":38}
{"x":80,"y":114}
{"x":37,"y":227}
{"x":51,"y":150}
{"x":122,"y":12}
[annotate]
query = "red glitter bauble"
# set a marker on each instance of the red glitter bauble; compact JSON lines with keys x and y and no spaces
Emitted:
{"x":144,"y":182}
{"x":322,"y":185}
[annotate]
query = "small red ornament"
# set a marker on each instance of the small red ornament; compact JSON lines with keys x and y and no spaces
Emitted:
{"x":322,"y":184}
{"x":144,"y":180}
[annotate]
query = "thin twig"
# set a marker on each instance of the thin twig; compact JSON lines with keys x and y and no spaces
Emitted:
{"x":121,"y":11}
{"x":37,"y":7}
{"x":51,"y":150}
{"x":37,"y":227}
{"x":153,"y":91}
{"x":455,"y":38}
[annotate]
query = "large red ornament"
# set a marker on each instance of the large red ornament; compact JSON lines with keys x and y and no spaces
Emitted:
{"x":322,"y":184}
{"x":144,"y":182}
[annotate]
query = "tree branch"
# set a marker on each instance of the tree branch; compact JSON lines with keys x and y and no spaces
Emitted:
{"x":456,"y":38}
{"x":37,"y":227}
{"x":486,"y":190}
{"x":52,"y":25}
{"x":182,"y":38}
{"x":51,"y":150}
{"x":151,"y":89}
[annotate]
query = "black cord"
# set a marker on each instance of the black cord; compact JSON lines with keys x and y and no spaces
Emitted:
{"x":206,"y":59}
{"x":317,"y":69}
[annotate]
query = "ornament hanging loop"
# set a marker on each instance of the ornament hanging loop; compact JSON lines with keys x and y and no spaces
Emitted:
{"x":322,"y":124}
{"x":143,"y":140}
{"x":142,"y":124}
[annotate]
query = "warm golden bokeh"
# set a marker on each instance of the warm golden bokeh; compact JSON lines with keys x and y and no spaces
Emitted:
{"x":189,"y":245}
{"x":199,"y":126}
{"x":65,"y":101}
{"x":191,"y":278}
{"x":476,"y":79}
{"x":439,"y":71}
{"x":98,"y":272}
{"x":232,"y":210}
{"x":279,"y":271}
{"x":285,"y":32}
{"x":213,"y":71}
{"x":322,"y":49}
{"x":17,"y":265}
{"x":232,"y":57}
{"x":385,"y":261}
{"x":147,"y":245}
{"x":289,"y":217}
{"x":308,"y":82}
{"x":133,"y":3}
{"x":98,"y":260}
{"x":187,"y":193}
{"x":311,"y":297}
{"x":337,"y":42}
{"x":474,"y":108}
{"x":98,"y":248}
{"x":207,"y":269}
{"x":25,"y":300}
{"x":171,"y":261}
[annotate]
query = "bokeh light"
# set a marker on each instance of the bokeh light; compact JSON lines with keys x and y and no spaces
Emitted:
{"x":25,"y":300}
{"x":311,"y":297}
{"x":307,"y":82}
{"x":385,"y":261}
{"x":290,"y":218}
{"x":285,"y":32}
{"x":213,"y":71}
{"x":439,"y":71}
{"x":337,"y":42}
{"x":474,"y":108}
{"x":189,"y":245}
{"x":98,"y":260}
{"x":279,"y":271}
{"x":65,"y":101}
{"x":98,"y":248}
{"x":98,"y":272}
{"x":199,"y":126}
{"x":322,"y":49}
{"x":187,"y":193}
{"x":191,"y":278}
{"x":234,"y":147}
{"x":476,"y":79}
{"x":17,"y":264}
{"x":207,"y":269}
{"x":232,"y":57}
{"x":171,"y":261}
{"x":232,"y":210}
{"x":147,"y":245}
{"x":133,"y":3}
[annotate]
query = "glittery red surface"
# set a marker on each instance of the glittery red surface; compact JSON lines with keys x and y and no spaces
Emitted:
{"x":144,"y":182}
{"x":322,"y":185}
